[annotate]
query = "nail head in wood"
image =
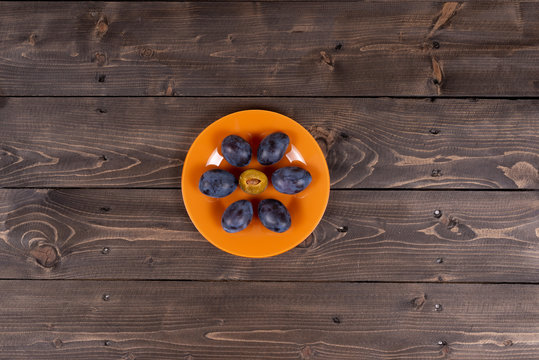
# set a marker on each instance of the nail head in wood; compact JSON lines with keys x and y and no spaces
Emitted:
{"x":442,"y":343}
{"x":438,"y":307}
{"x":437,"y":213}
{"x":105,"y":250}
{"x":342,"y":229}
{"x":439,"y":260}
{"x":106,"y":297}
{"x":436,"y":44}
{"x":108,"y":343}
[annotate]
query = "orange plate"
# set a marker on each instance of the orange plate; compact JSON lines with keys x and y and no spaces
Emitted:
{"x":306,"y":208}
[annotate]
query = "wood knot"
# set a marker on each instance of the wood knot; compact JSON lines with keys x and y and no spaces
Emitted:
{"x":419,"y":302}
{"x":46,"y":255}
{"x":306,"y":352}
{"x":437,"y":74}
{"x":451,"y":228}
{"x":445,"y":350}
{"x":325,"y":138}
{"x":32,"y":39}
{"x":307,"y":242}
{"x":57,"y":343}
{"x":128,"y":356}
{"x":101,"y":27}
{"x":170,"y":91}
{"x":451,"y":222}
{"x":146,"y":53}
{"x":100,"y":77}
{"x":326,"y":59}
{"x":100,"y":59}
{"x":149,"y":261}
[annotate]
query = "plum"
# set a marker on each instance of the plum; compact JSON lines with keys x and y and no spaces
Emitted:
{"x":217,"y":183}
{"x":253,"y":181}
{"x":290,"y":179}
{"x":274,"y":215}
{"x":236,"y":151}
{"x":237,"y":216}
{"x":272,"y":148}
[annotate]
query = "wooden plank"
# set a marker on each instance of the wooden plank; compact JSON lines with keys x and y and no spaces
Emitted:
{"x":237,"y":320}
{"x":369,"y":143}
{"x":424,"y":48}
{"x":364,"y":236}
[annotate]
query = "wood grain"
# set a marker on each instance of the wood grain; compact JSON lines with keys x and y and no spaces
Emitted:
{"x":236,"y":320}
{"x":425,"y":48}
{"x":364,"y":236}
{"x":82,"y":271}
{"x":369,"y":143}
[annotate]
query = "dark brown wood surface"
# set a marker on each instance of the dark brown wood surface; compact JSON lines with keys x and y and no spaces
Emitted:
{"x":418,"y":106}
{"x":369,"y":143}
{"x":238,"y":320}
{"x":426,"y":48}
{"x":364,"y":236}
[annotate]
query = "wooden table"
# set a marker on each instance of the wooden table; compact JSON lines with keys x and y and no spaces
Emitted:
{"x":427,"y":112}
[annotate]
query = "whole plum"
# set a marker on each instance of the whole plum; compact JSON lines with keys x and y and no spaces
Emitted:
{"x":236,"y":151}
{"x":272,"y":148}
{"x":217,"y":183}
{"x":237,"y":216}
{"x":290,"y":179}
{"x":274,"y":215}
